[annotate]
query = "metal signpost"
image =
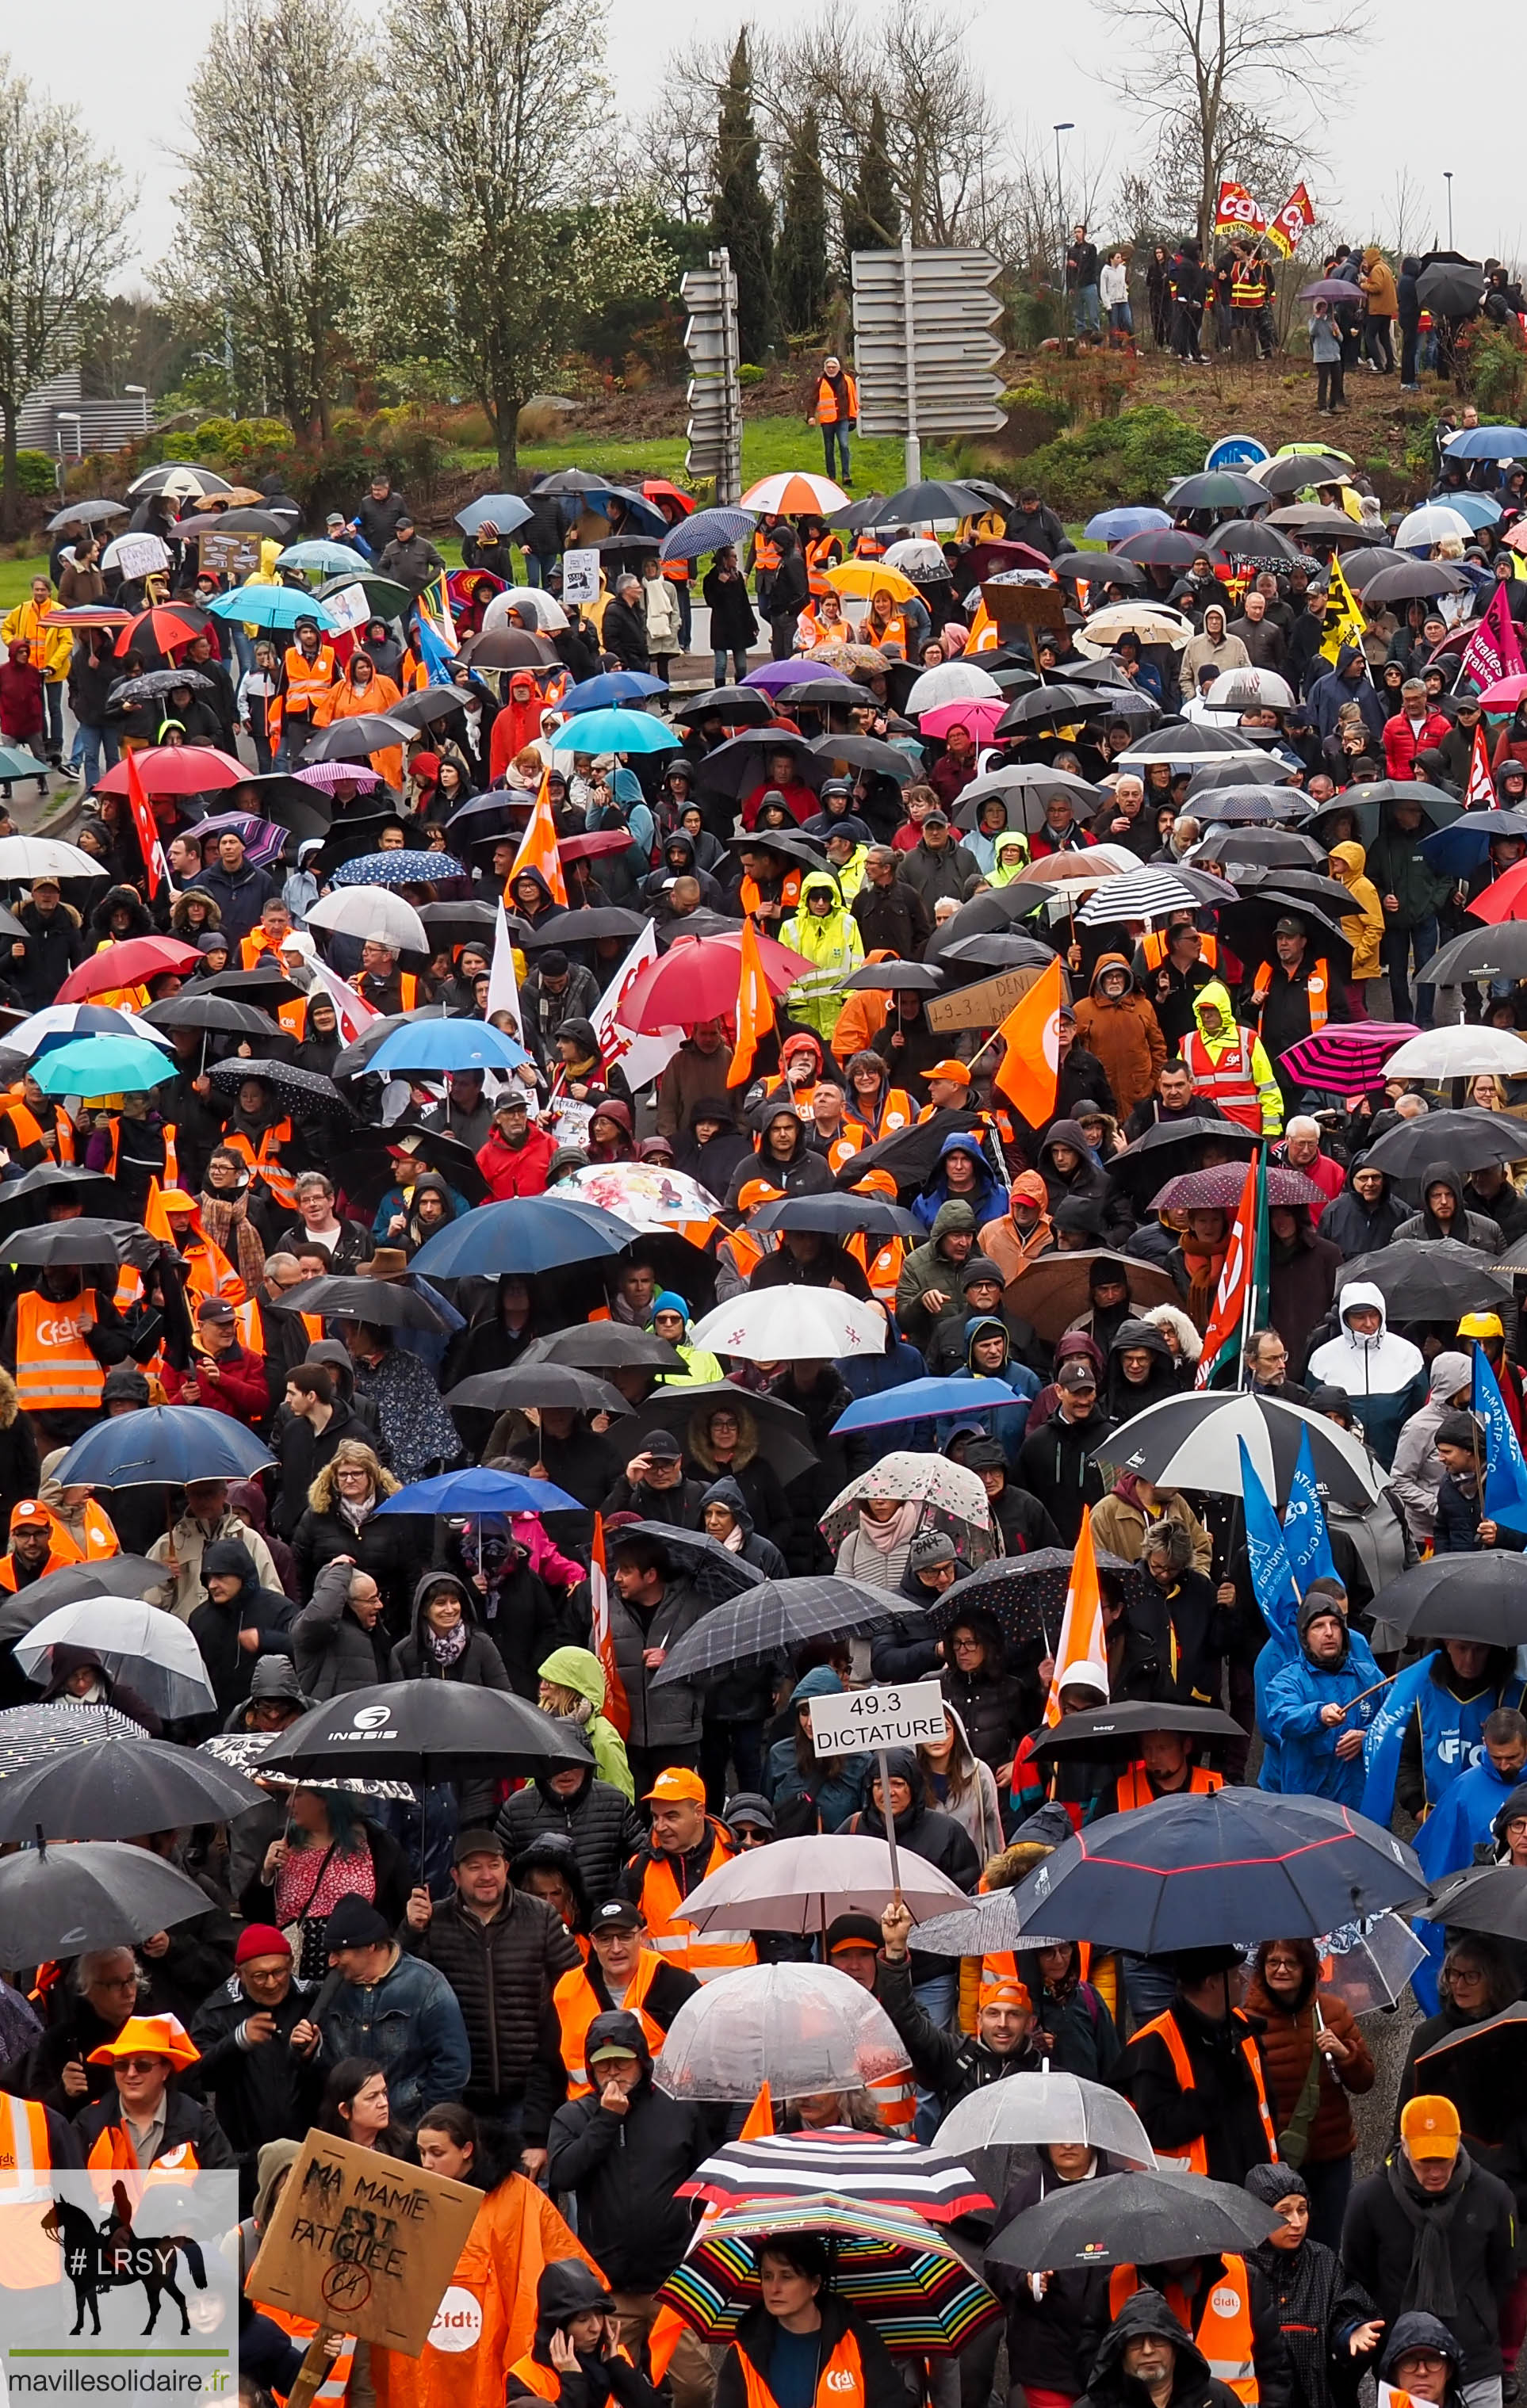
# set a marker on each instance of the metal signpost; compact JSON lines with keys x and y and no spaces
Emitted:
{"x":924,"y":352}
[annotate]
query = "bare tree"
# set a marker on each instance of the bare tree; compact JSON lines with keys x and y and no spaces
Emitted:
{"x":63,"y":214}
{"x":271,"y":191}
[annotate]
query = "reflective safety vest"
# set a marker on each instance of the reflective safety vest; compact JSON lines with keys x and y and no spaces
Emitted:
{"x":1228,"y":1077}
{"x":267,"y":1163}
{"x":30,"y":1131}
{"x":766,"y":551}
{"x":883,"y":1269}
{"x":27,"y":2257}
{"x":408,"y":988}
{"x":100,"y":1538}
{"x":704,"y":1954}
{"x":868,"y":546}
{"x":819,"y":556}
{"x":55,"y":1370}
{"x":577,"y":2005}
{"x":113,"y":2153}
{"x":893,"y":632}
{"x":253,"y":947}
{"x":1223,"y":2329}
{"x":827,"y":400}
{"x":307,"y":681}
{"x":54,"y":1562}
{"x":1317,"y":987}
{"x":1248,"y":286}
{"x":1154,"y":947}
{"x":1134,"y":1788}
{"x":839,"y":2384}
{"x":170,"y":1177}
{"x":851,"y":1139}
{"x":790,"y":894}
{"x":811,"y":630}
{"x":743,"y":1251}
{"x":544,"y":2381}
{"x":1197,"y":2160}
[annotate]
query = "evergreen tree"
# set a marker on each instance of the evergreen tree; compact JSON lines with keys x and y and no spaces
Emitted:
{"x":742,"y":219}
{"x":873,"y":213}
{"x":801,"y":277}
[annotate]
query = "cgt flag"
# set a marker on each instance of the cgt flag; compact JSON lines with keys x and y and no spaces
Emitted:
{"x":538,"y":848}
{"x":1243,"y":1277}
{"x":1493,"y":651}
{"x":1237,"y":213}
{"x":145,"y":828}
{"x":1288,"y":228}
{"x":755,"y":1008}
{"x":1479,"y":795}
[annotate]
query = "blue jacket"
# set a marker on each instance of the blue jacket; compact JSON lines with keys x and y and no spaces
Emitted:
{"x":1274,"y":1657}
{"x":987,"y":1201}
{"x":1308,"y":1763}
{"x":410,"y":2022}
{"x":1327,"y":695}
{"x":1452,"y":1734}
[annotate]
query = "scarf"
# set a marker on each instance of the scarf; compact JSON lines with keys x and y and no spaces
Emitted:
{"x":733,"y":1539}
{"x":886,"y":1536}
{"x":445,"y":1646}
{"x":1428,"y":2282}
{"x":224,"y":1220}
{"x":357,"y":1515}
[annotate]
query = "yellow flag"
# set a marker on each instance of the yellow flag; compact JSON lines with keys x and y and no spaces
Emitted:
{"x":1345,"y":622}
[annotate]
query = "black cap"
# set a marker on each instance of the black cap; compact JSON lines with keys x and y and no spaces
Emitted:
{"x":615,"y":1914}
{"x":480,"y":1843}
{"x":355,"y":1924}
{"x":663,"y":1445}
{"x":853,"y":1931}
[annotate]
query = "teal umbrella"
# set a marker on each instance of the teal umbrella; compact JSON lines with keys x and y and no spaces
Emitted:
{"x":101,"y":1065}
{"x":271,"y":606}
{"x":329,"y":559}
{"x":616,"y":731}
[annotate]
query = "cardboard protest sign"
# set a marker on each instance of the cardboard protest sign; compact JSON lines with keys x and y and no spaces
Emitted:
{"x":1029,"y":605}
{"x":362,"y":2243}
{"x":981,"y":1006}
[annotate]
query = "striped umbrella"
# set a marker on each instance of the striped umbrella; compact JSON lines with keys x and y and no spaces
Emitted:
{"x":873,"y":2169}
{"x":913,"y":2286}
{"x":327,"y":775}
{"x":1146,"y":895}
{"x":1347,"y":1060}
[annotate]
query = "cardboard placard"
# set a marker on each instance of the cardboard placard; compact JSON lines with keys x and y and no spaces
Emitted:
{"x":581,"y":576}
{"x":981,"y":1006}
{"x":350,"y":608}
{"x":138,"y":555}
{"x":1028,"y":606}
{"x":232,"y":555}
{"x":363,"y":2243}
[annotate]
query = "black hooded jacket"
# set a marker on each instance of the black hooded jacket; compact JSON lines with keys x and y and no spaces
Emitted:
{"x":1359,"y":1228}
{"x":1468,"y":1228}
{"x":569,"y":2289}
{"x":625,"y":2170}
{"x":1161,"y":1384}
{"x":1193,"y":2387}
{"x":216,"y":1628}
{"x":480,"y":1665}
{"x":265,"y":2093}
{"x":599,"y":1820}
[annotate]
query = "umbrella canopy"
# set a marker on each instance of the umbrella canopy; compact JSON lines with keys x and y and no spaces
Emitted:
{"x":34,"y":1735}
{"x":122,"y":1784}
{"x":1150,"y":622}
{"x":100,"y":1065}
{"x":913,"y":978}
{"x":1141,"y":895}
{"x":532,"y":1385}
{"x":163,"y":1446}
{"x":181,"y":479}
{"x":1185,"y":740}
{"x":434,"y":1048}
{"x":1486,"y":1898}
{"x":381,"y":1303}
{"x":801,"y":2029}
{"x":94,"y":1894}
{"x":951,"y":1497}
{"x":353,"y":739}
{"x":1172,"y":1147}
{"x":1219,"y":1190}
{"x":524,"y":1236}
{"x":1216,"y":489}
{"x":783,"y":1434}
{"x":916,"y":1401}
{"x":1054,"y":1290}
{"x":792,"y":494}
{"x":131,"y":1576}
{"x":1116,"y":1730}
{"x":738,"y":705}
{"x":803,"y":1883}
{"x":1133,"y":2219}
{"x":362,"y":911}
{"x":839,"y":1215}
{"x":934,"y":498}
{"x":244,"y":1751}
{"x":85,"y":1240}
{"x":1482,"y":1597}
{"x":1467,"y":1139}
{"x":1033,"y":2110}
{"x":479,"y":1489}
{"x":1024,"y":1595}
{"x":1161,"y":548}
{"x":705,"y":531}
{"x":223,"y":1014}
{"x":1457,"y":850}
{"x":793,"y":1325}
{"x":505,"y":511}
{"x":951,"y":681}
{"x":1250,"y":690}
{"x":86,"y":514}
{"x":1429,"y":524}
{"x":606,"y":1345}
{"x":773,"y":1618}
{"x":281,"y":605}
{"x":133,"y":964}
{"x":1291,"y":473}
{"x":887,"y":2263}
{"x":327,"y":559}
{"x":697,"y":980}
{"x":1481,"y":952}
{"x":1428,"y":1279}
{"x":1346,"y":1058}
{"x":1194,"y":1442}
{"x":646,"y":1196}
{"x":1459,"y":1052}
{"x":609,"y":691}
{"x":305,"y":1091}
{"x":870,"y":2167}
{"x":1417,"y":580}
{"x":1451,"y":287}
{"x":419,"y":1730}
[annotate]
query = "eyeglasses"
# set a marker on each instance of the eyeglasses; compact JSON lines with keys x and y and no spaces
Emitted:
{"x":140,"y":2064}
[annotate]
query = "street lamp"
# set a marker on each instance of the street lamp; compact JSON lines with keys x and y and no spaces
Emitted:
{"x":1068,"y":127}
{"x":71,"y":417}
{"x":1447,"y":180}
{"x":140,"y":392}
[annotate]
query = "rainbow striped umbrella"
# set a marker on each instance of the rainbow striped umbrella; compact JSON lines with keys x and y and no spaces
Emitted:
{"x":901,"y":2275}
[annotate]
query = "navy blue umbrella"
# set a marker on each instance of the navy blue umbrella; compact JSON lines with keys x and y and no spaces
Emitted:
{"x":524,"y":1235}
{"x":706,"y":531}
{"x":164,"y":1446}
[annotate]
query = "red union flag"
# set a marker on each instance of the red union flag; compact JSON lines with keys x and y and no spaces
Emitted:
{"x":1237,"y":213}
{"x":1493,"y":652}
{"x":1298,"y":212}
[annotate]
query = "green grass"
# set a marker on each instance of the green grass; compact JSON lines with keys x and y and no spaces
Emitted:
{"x":15,"y":577}
{"x":769,"y":445}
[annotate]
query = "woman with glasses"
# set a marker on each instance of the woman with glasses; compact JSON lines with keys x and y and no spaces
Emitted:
{"x":341,"y":1519}
{"x":1317,"y":2059}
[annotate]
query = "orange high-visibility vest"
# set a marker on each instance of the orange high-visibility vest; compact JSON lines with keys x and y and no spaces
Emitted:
{"x":868,"y":546}
{"x":408,"y":985}
{"x":113,"y":2152}
{"x":1317,"y":987}
{"x":1197,"y":2160}
{"x":544,"y":2381}
{"x":1228,"y":1080}
{"x":27,"y":2257}
{"x":30,"y":1131}
{"x":307,"y":681}
{"x":171,"y":1174}
{"x":704,"y":1954}
{"x":896,"y":2102}
{"x":819,"y":559}
{"x":744,"y":1251}
{"x":55,"y":1370}
{"x":789,"y":893}
{"x":851,"y":1138}
{"x":1223,"y":2331}
{"x":1153,"y":944}
{"x":893,"y":632}
{"x":266,"y":1164}
{"x":811,"y":630}
{"x":100,"y":1538}
{"x":766,"y":551}
{"x":1134,"y":1788}
{"x":335,"y":2383}
{"x":882,"y":1269}
{"x":839,"y":2385}
{"x":251,"y":947}
{"x":827,"y":400}
{"x":577,"y":2005}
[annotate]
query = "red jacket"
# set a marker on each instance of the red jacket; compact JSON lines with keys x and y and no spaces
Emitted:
{"x":240,"y":1390}
{"x":1401,"y":746}
{"x":516,"y":1170}
{"x":21,"y":694}
{"x":799,"y":801}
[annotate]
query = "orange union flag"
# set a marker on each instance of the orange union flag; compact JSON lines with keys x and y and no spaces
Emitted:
{"x":1029,"y":1074}
{"x":754,"y":1007}
{"x":538,"y":849}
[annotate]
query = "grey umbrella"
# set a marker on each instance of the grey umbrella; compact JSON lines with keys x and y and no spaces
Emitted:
{"x":96,"y":1894}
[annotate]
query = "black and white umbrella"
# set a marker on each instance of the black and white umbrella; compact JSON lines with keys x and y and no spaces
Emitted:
{"x":423,"y":1730}
{"x":1194,"y":1442}
{"x":305,"y":1093}
{"x":1143,"y":894}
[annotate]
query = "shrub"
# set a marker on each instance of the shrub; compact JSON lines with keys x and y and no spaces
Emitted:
{"x":36,"y":472}
{"x":1132,"y":458}
{"x":749,"y":374}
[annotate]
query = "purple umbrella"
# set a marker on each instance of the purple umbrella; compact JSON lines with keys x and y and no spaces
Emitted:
{"x":262,"y":842}
{"x":1219,"y":1189}
{"x":777,"y":673}
{"x":1330,"y":288}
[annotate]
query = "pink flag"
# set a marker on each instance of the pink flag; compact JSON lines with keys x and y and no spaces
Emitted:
{"x":1493,"y":651}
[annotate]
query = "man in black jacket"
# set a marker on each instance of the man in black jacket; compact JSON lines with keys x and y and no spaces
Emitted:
{"x":953,"y":2064}
{"x":377,"y":518}
{"x":603,"y":1827}
{"x":410,"y":558}
{"x":255,"y":2071}
{"x":314,"y":1419}
{"x":1055,"y":1463}
{"x":55,"y":943}
{"x":1429,"y":2202}
{"x":624,"y":629}
{"x":1220,"y":2120}
{"x":892,"y":916}
{"x":503,"y":1952}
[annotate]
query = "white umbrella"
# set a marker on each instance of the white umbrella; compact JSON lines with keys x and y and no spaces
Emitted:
{"x":112,"y":553}
{"x":1148,"y":895}
{"x":61,"y":1018}
{"x":44,"y":856}
{"x":802,"y":2029}
{"x":1429,"y":525}
{"x":152,"y":1650}
{"x":1252,"y":690}
{"x":1459,"y":1052}
{"x":539,"y":609}
{"x":1152,"y":623}
{"x":1031,"y":2110}
{"x":918,"y":557}
{"x":953,"y":681}
{"x":366,"y":911}
{"x":802,"y":1885}
{"x":179,"y":481}
{"x":792,"y":1325}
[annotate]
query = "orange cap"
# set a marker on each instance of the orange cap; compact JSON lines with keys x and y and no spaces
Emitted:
{"x":675,"y":1784}
{"x":1430,"y":2127}
{"x":754,"y":1192}
{"x":959,"y":1071}
{"x":28,"y":1515}
{"x":1007,"y":1994}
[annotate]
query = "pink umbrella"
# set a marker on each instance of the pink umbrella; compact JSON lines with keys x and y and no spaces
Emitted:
{"x":327,"y":775}
{"x":980,"y":716}
{"x":1505,"y":693}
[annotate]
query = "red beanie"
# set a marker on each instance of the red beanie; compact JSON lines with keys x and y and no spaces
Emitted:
{"x":261,"y":1939}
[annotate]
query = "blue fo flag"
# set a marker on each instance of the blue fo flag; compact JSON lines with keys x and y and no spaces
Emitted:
{"x":1270,"y":1577}
{"x":432,"y":651}
{"x":1505,"y":1473}
{"x":1307,"y":1542}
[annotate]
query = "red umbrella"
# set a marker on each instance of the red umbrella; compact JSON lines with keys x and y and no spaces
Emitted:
{"x":1506,"y":899}
{"x":134,"y":964}
{"x":698,"y":981}
{"x":659,"y":490}
{"x":585,"y":848}
{"x":166,"y":627}
{"x":176,"y":769}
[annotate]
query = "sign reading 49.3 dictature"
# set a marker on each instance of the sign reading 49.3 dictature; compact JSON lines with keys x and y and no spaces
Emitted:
{"x":860,"y":1720}
{"x":363,"y":2243}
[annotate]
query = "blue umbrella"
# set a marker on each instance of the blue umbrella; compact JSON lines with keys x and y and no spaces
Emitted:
{"x":1113,"y":526}
{"x":1478,"y":509}
{"x":616,"y":731}
{"x":642,"y":516}
{"x":327,"y":559}
{"x":400,"y":869}
{"x":272,"y":605}
{"x":100,"y":1065}
{"x":616,"y":685}
{"x":506,"y":512}
{"x":1486,"y":443}
{"x":523,"y":1235}
{"x":706,"y":531}
{"x":163,"y":1446}
{"x":427,"y":1048}
{"x":916,"y":1400}
{"x":1457,"y":850}
{"x":479,"y":1490}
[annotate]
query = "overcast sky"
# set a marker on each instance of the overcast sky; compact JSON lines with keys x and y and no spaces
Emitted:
{"x":124,"y":71}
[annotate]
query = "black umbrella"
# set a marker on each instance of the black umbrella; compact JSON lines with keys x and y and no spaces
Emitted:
{"x":1414,"y":582}
{"x":1468,"y":1140}
{"x":1268,"y":847}
{"x":113,"y":1576}
{"x":870,"y":510}
{"x":911,"y":978}
{"x":381,"y":1303}
{"x":1097,"y":568}
{"x":712,"y":1569}
{"x":783,"y":1435}
{"x":1025,"y":1596}
{"x":839,"y":1216}
{"x":152,"y":683}
{"x":429,"y":704}
{"x":934,"y":498}
{"x":1162,"y":546}
{"x":1449,"y":289}
{"x":789,"y":843}
{"x":423,"y":1730}
{"x":1216,"y":489}
{"x":221,"y":1015}
{"x":736,"y":766}
{"x":1428,"y":1279}
{"x":772,"y":1619}
{"x":459,"y":923}
{"x":1292,"y":476}
{"x":1486,"y":1898}
{"x":1288,"y":883}
{"x":1172,"y":1147}
{"x":535,"y":1384}
{"x":1482,"y":1597}
{"x":867,"y":752}
{"x":303,"y":1093}
{"x":586,"y":926}
{"x":738,"y":705}
{"x":1479,"y":954}
{"x":352,"y":739}
{"x":1250,"y":925}
{"x":1254,"y":804}
{"x":910,"y":1154}
{"x":1117,"y":1730}
{"x":1046,"y":705}
{"x":824,"y":693}
{"x":263,"y":986}
{"x":352,"y":1060}
{"x":1254,"y":542}
{"x":367,"y":1178}
{"x":1240,"y":1864}
{"x":1132,"y":2219}
{"x":24,"y":1201}
{"x":605,"y":1346}
{"x":83,"y":1241}
{"x":1242,"y":769}
{"x":98,"y":1894}
{"x":122,"y":1784}
{"x":994,"y":949}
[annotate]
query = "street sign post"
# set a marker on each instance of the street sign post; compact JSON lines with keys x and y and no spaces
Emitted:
{"x":868,"y":1722}
{"x":924,"y":353}
{"x":715,"y":395}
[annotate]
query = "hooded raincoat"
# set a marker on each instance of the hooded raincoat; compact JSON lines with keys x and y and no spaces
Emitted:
{"x":1384,"y":1375}
{"x":831,"y":944}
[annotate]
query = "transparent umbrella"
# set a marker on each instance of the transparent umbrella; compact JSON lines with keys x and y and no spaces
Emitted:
{"x":802,"y":1885}
{"x":802,"y":2029}
{"x":132,"y":1641}
{"x":1369,"y":1963}
{"x":1028,"y":2109}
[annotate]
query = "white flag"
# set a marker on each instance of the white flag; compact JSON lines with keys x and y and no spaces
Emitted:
{"x":503,"y":986}
{"x":642,"y":1059}
{"x":351,"y":1011}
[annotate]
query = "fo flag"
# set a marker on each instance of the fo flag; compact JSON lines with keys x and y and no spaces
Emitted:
{"x":1505,"y":1473}
{"x":1271,"y":1578}
{"x":1306,"y":1541}
{"x":755,"y":1008}
{"x":1493,"y":651}
{"x":1244,"y":1275}
{"x":1237,"y":213}
{"x":1288,"y":228}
